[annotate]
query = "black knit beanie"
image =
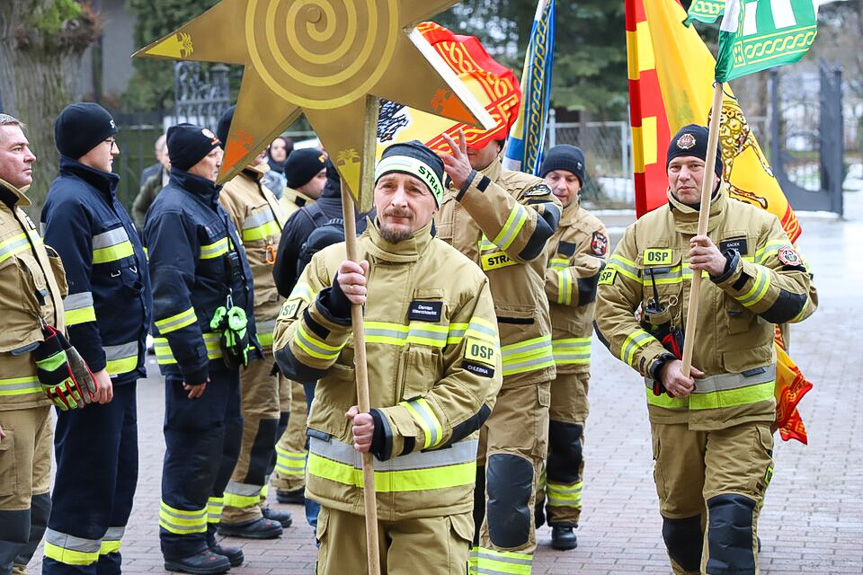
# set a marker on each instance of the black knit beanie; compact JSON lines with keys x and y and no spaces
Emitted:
{"x":416,"y":159}
{"x":81,"y":127}
{"x":691,"y":140}
{"x":564,"y":157}
{"x":303,"y":165}
{"x":188,"y":144}
{"x":225,"y":126}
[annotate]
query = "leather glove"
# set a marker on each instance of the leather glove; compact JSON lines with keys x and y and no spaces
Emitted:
{"x":65,"y":377}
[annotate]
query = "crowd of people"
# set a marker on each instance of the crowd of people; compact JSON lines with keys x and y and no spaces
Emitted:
{"x":480,"y":289}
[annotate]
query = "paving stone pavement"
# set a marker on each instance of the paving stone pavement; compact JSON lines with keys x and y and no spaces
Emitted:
{"x":812,"y":521}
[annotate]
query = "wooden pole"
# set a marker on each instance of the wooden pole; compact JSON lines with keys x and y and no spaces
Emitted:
{"x":360,"y":365}
{"x":703,"y":217}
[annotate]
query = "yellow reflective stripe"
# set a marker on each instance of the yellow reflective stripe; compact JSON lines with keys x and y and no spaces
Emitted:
{"x":416,"y":332}
{"x":558,"y":263}
{"x":214,"y":509}
{"x":625,"y":266}
{"x":302,"y":291}
{"x":109,"y":547}
{"x":758,"y":290}
{"x":290,"y":462}
{"x":395,"y":481}
{"x":176,"y":321}
{"x":638,"y":338}
{"x":165,"y":356}
{"x":527,"y":355}
{"x":214,"y":250}
{"x":716,"y":399}
{"x":19,"y":386}
{"x":516,"y":220}
{"x":490,"y":561}
{"x":266,"y":230}
{"x":118,"y":366}
{"x":314,"y":346}
{"x":12,"y":246}
{"x":564,"y":494}
{"x":69,"y":556}
{"x":770,"y":248}
{"x":182,"y":522}
{"x":113,"y":253}
{"x":564,"y":287}
{"x":571,"y":350}
{"x":80,"y":315}
{"x":424,"y":416}
{"x":242,"y":501}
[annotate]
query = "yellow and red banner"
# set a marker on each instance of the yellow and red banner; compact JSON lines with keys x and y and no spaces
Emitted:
{"x":493,"y":84}
{"x":670,"y":72}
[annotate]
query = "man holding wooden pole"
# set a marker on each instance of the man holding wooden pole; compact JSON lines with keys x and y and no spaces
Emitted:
{"x":712,"y":442}
{"x":434,"y":370}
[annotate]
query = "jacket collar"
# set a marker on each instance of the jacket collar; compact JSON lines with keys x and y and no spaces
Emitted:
{"x":686,"y":216}
{"x":570,"y":213}
{"x":257,"y":172}
{"x":405,"y":251}
{"x":105,"y":182}
{"x":20,"y":199}
{"x":298,"y":198}
{"x":493,"y":170}
{"x":201,"y":188}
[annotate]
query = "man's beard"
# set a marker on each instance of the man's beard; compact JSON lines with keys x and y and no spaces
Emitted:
{"x":395,"y":235}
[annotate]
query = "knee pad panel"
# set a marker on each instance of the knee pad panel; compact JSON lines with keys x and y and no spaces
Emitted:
{"x":684,"y":540}
{"x":565,"y":451}
{"x":509,"y":486}
{"x":729,"y":535}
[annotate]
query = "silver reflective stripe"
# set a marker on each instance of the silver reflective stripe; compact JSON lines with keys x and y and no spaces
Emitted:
{"x":78,"y":300}
{"x":110,"y":238}
{"x":243,"y":489}
{"x":13,"y":247}
{"x":258,"y":219}
{"x":501,"y":558}
{"x":473,"y":326}
{"x":114,"y":534}
{"x":517,"y":348}
{"x":71,"y":542}
{"x":122,"y":351}
{"x":461,"y":452}
{"x":728,"y":381}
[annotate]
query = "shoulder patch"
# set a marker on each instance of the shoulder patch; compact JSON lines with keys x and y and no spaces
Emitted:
{"x":788,"y":256}
{"x":479,"y":351}
{"x":538,"y":189}
{"x":290,"y":308}
{"x":599,"y":244}
{"x":606,"y":276}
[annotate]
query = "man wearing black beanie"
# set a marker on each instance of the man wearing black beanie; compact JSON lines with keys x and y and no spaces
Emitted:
{"x":306,"y":173}
{"x":108,"y":313}
{"x":576,"y":255}
{"x":711,"y":427}
{"x":200,"y":272}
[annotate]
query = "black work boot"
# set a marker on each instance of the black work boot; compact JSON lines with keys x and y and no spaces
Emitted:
{"x":283,"y":517}
{"x":204,"y":563}
{"x":294,"y":497}
{"x":563,"y":538}
{"x":262,"y":528}
{"x":234,"y":554}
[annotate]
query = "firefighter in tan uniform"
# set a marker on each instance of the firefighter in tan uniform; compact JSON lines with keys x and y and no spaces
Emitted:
{"x":306,"y":172}
{"x":434,"y":371}
{"x":32,"y":286}
{"x":501,"y":220}
{"x":258,"y":218}
{"x":712,"y":443}
{"x":576,"y":255}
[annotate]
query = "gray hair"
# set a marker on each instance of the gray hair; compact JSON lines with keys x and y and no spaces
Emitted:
{"x":7,"y":120}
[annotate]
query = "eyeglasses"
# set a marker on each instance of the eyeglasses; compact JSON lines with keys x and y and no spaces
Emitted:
{"x":111,"y":142}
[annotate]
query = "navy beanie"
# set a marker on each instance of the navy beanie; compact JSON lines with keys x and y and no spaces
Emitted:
{"x":81,"y":127}
{"x":416,"y":159}
{"x":225,"y":126}
{"x":303,"y":165}
{"x":691,"y":140}
{"x":564,"y":157}
{"x":188,"y":144}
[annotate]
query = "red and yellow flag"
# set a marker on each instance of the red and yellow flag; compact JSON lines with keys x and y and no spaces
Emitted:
{"x":494,"y":85}
{"x":670,"y":73}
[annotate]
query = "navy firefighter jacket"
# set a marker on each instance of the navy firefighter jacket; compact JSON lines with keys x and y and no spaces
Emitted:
{"x":109,"y":306}
{"x":196,"y":262}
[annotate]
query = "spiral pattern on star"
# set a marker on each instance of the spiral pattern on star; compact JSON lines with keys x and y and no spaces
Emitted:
{"x":321,"y":54}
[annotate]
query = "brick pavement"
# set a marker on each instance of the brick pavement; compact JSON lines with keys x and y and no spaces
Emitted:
{"x":813,"y":517}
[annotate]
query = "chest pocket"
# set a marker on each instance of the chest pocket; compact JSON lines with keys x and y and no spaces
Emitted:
{"x":428,"y":331}
{"x":662,"y":277}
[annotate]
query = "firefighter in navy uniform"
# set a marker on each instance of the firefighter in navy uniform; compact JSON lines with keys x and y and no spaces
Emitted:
{"x":712,"y":443}
{"x":502,"y":220}
{"x":256,"y":214}
{"x":108,"y":313}
{"x":576,"y":255}
{"x":200,"y":278}
{"x":32,"y":286}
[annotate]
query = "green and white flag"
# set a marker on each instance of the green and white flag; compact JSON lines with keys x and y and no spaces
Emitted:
{"x":759,"y":34}
{"x":708,"y":11}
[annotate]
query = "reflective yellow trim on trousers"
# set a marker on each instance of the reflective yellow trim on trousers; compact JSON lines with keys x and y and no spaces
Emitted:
{"x":490,"y":561}
{"x":424,"y":416}
{"x":214,"y":509}
{"x":112,"y":540}
{"x":290,"y":462}
{"x":165,"y":356}
{"x":525,"y":356}
{"x":241,"y":501}
{"x":395,"y":481}
{"x":564,"y":494}
{"x":68,"y":556}
{"x":715,"y":399}
{"x":314,"y":346}
{"x":181,"y":522}
{"x":109,"y":547}
{"x":516,"y":220}
{"x":214,"y":250}
{"x":176,"y":321}
{"x":19,"y":386}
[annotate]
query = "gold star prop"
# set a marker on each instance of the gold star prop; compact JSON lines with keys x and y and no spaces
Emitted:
{"x":327,"y":59}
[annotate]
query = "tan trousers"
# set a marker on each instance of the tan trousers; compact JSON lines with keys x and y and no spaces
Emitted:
{"x":512,"y":448}
{"x":427,"y":545}
{"x":290,"y":472}
{"x":260,"y":407}
{"x":25,"y":456}
{"x":715,"y":479}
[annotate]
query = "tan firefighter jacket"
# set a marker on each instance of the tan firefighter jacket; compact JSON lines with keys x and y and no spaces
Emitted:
{"x":576,"y":254}
{"x":434,"y":373}
{"x":32,"y":288}
{"x":259,"y":220}
{"x":766,"y":283}
{"x":502,"y":221}
{"x":292,"y":200}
